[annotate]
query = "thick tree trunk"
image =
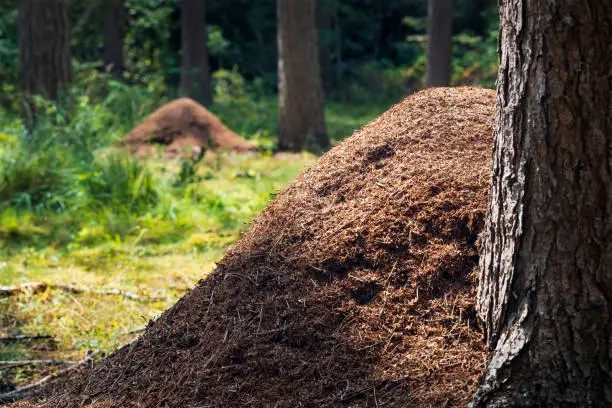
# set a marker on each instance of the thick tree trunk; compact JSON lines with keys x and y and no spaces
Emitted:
{"x":44,"y":51}
{"x":546,"y":259}
{"x":301,"y":116}
{"x":114,"y":30}
{"x":439,"y":42}
{"x":195,"y":74}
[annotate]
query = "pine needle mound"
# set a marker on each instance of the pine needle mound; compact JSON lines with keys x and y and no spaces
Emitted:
{"x":180,"y":125}
{"x":355,"y":287}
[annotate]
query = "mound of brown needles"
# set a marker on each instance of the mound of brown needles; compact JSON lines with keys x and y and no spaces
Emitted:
{"x":180,"y":125}
{"x":355,"y":287}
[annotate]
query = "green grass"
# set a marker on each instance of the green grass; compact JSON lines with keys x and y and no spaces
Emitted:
{"x":124,"y":202}
{"x":258,"y":119}
{"x":343,"y":119}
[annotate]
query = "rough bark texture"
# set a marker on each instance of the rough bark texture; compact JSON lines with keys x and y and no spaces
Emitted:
{"x":114,"y":30}
{"x":44,"y":50}
{"x":546,"y":260}
{"x":301,"y":117}
{"x":195,"y":73}
{"x":439,"y":42}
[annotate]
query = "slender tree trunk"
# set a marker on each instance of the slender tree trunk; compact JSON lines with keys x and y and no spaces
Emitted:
{"x":44,"y":51}
{"x":338,"y":50}
{"x":325,"y":14}
{"x":545,"y":289}
{"x":114,"y":31}
{"x":439,"y":42}
{"x":301,"y":115}
{"x":195,"y":74}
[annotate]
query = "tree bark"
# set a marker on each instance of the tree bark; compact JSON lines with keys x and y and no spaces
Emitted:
{"x":44,"y":51}
{"x":301,"y":114}
{"x":114,"y":31}
{"x":545,"y":289}
{"x":195,"y":73}
{"x":439,"y":42}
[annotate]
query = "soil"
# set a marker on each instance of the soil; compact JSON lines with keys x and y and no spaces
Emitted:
{"x":182,"y":127}
{"x":354,"y":288}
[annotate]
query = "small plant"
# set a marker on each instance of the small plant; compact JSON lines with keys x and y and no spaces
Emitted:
{"x":120,"y":184}
{"x":35,"y":177}
{"x":188,"y":172}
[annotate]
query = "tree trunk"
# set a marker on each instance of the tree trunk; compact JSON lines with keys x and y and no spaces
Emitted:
{"x":439,"y":42}
{"x":545,"y":289}
{"x":301,"y":115}
{"x":195,"y":73}
{"x":325,"y":28}
{"x":114,"y":30}
{"x":44,"y":51}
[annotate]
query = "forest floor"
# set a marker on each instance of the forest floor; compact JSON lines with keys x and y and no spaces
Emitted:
{"x":87,"y":233}
{"x":152,"y":262}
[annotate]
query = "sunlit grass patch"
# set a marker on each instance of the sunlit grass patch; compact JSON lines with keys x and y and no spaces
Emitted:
{"x":80,"y":323}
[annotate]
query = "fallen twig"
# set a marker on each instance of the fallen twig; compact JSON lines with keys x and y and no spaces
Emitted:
{"x":384,"y":385}
{"x":387,"y":281}
{"x":25,"y":337}
{"x":37,"y":287}
{"x":134,"y":340}
{"x":19,"y":363}
{"x":28,"y":390}
{"x":125,"y":333}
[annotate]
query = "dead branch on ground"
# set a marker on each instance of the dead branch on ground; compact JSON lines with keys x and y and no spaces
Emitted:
{"x":19,"y":363}
{"x":38,"y":287}
{"x":29,"y":390}
{"x":25,"y":338}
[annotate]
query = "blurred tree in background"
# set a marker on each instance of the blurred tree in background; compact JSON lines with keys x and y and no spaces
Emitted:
{"x":369,"y":49}
{"x":114,"y":32}
{"x":301,"y":115}
{"x":439,"y":42}
{"x":195,"y":71}
{"x":45,"y":67}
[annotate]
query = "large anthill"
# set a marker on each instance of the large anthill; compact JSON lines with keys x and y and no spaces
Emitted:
{"x":355,"y":287}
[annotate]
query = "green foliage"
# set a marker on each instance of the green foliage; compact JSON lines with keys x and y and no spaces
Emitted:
{"x":342,"y":119}
{"x":36,"y":171}
{"x":252,"y":118}
{"x":189,"y":168}
{"x":367,"y":47}
{"x":34,"y":179}
{"x":65,"y":184}
{"x":8,"y":54}
{"x":475,"y":60}
{"x":149,"y":53}
{"x":67,"y":167}
{"x":119,"y":184}
{"x":129,"y":104}
{"x":228,"y":85}
{"x":218,"y":45}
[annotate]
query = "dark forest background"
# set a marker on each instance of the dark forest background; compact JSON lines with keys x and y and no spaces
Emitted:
{"x":369,"y":49}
